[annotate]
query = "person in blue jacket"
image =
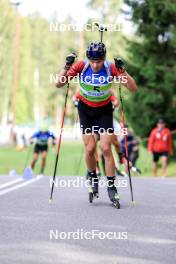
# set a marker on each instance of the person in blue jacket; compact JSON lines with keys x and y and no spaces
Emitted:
{"x":133,"y":147}
{"x":41,"y":146}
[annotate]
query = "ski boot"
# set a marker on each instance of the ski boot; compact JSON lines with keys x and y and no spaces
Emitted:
{"x":112,"y":192}
{"x":135,"y":169}
{"x":93,"y":186}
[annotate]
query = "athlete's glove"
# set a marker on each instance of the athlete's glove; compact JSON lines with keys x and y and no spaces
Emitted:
{"x":70,"y":59}
{"x":119,"y":65}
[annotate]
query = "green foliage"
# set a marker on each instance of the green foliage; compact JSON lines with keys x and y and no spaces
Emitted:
{"x":150,"y":59}
{"x":40,"y":50}
{"x":7,"y":28}
{"x":153,"y":64}
{"x":108,"y":12}
{"x":72,"y":152}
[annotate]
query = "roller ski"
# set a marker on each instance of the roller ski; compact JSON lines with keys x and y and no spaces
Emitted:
{"x":116,"y":204}
{"x":93,"y":186}
{"x":124,"y":162}
{"x":135,"y":169}
{"x":120,"y":173}
{"x":112,"y":192}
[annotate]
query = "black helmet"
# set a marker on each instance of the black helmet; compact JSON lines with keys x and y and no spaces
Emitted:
{"x":96,"y":50}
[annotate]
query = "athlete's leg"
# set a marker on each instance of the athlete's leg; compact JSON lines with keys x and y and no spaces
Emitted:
{"x":103,"y":164}
{"x":155,"y":163}
{"x":97,"y":156}
{"x":43,"y":164}
{"x":164,"y":165}
{"x":105,"y":143}
{"x":35,"y":158}
{"x":90,"y":157}
{"x":90,"y":148}
{"x":155,"y":168}
{"x":101,"y":159}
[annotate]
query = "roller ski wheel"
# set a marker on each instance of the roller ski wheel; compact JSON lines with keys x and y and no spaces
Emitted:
{"x":96,"y":195}
{"x":116,"y":204}
{"x":91,"y":196}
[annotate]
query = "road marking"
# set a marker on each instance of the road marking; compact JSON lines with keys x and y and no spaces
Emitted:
{"x":7,"y":184}
{"x":21,"y":185}
{"x":169,"y":183}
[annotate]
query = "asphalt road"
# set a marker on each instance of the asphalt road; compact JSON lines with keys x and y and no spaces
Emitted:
{"x":32,"y":231}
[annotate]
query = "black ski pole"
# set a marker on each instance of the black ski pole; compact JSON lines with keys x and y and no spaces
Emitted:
{"x":126,"y":147}
{"x":101,"y":29}
{"x":59,"y":143}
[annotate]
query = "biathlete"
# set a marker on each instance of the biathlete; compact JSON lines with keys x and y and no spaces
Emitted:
{"x":41,"y":146}
{"x":95,"y":108}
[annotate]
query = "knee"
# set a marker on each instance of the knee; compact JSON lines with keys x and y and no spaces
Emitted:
{"x":106,"y":150}
{"x":90,"y":150}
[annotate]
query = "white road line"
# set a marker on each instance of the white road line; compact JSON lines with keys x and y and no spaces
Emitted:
{"x":20,"y":185}
{"x":7,"y":184}
{"x":169,"y":183}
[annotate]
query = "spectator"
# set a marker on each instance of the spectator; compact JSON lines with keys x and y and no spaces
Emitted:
{"x":133,"y":147}
{"x":160,"y":145}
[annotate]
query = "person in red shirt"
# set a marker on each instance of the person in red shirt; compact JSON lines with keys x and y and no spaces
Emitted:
{"x":160,"y":144}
